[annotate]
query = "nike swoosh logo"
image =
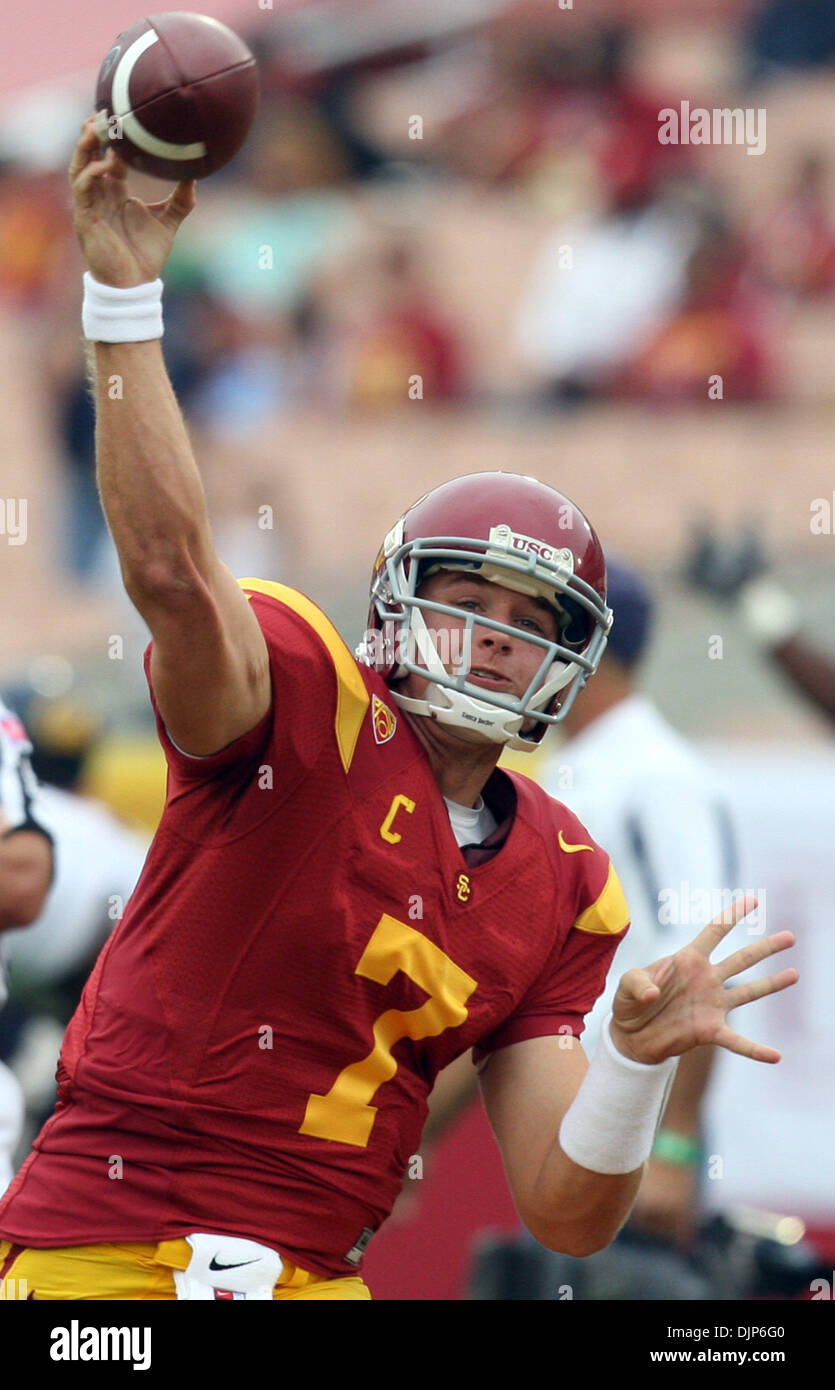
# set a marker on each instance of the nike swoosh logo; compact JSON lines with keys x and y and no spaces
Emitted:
{"x":573,"y":849}
{"x":215,"y":1266}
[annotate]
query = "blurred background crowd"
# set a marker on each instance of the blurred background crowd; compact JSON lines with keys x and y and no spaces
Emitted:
{"x":454,"y":241}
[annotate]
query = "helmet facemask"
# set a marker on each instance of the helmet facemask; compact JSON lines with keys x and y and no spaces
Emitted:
{"x":405,"y":643}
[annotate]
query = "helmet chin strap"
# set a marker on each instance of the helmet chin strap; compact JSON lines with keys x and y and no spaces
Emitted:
{"x":475,"y":721}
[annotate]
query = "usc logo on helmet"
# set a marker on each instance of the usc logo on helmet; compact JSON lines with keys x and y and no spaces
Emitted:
{"x":383,"y":720}
{"x":505,"y":538}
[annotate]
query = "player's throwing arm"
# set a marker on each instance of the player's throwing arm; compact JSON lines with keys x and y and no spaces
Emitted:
{"x":209,"y":663}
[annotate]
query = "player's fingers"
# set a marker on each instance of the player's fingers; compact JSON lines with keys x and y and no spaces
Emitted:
{"x":710,"y":936}
{"x":86,"y":186}
{"x":116,"y":167}
{"x":745,"y":1047}
{"x":757,"y":989}
{"x":638,"y":986}
{"x":86,"y":149}
{"x":179,"y":204}
{"x":751,"y":955}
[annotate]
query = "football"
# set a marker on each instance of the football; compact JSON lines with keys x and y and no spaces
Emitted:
{"x":177,"y":95}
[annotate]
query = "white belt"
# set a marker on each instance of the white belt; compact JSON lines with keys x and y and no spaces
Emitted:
{"x":226,"y":1267}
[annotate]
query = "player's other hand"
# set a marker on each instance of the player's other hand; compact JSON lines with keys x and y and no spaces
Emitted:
{"x":125,"y":241}
{"x":681,"y":1001}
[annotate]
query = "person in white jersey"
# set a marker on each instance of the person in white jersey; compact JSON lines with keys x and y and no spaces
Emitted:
{"x":647,"y":794}
{"x":26,"y":864}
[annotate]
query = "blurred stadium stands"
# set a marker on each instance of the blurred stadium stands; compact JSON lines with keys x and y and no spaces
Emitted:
{"x":338,"y":258}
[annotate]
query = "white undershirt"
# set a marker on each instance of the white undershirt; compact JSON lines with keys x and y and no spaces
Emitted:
{"x":470,"y":824}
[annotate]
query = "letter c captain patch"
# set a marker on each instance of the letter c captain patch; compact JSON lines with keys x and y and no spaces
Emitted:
{"x":383,"y":720}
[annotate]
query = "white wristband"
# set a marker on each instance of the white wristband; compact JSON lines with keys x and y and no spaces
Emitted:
{"x":114,"y":315}
{"x":611,"y":1123}
{"x":770,"y":616}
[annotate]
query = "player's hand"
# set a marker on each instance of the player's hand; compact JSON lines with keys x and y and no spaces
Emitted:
{"x":681,"y":1001}
{"x":125,"y":241}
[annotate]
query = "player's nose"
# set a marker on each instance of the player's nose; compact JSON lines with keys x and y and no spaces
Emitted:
{"x":488,"y":639}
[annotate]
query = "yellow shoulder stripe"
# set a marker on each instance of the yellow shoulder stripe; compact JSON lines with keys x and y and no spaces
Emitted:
{"x":352,"y":699}
{"x":609,"y":914}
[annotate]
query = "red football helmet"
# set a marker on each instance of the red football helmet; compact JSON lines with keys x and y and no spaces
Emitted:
{"x":513,"y":531}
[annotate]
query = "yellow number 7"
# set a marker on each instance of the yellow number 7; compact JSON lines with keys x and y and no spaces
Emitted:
{"x":345,"y":1114}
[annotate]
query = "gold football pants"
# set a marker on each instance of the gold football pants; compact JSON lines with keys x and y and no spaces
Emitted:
{"x":134,"y":1270}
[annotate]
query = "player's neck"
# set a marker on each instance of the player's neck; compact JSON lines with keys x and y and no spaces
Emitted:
{"x":461,"y":769}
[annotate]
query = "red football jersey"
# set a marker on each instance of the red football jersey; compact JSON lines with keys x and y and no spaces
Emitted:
{"x":306,"y":948}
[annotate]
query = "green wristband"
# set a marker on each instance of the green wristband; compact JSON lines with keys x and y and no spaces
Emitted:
{"x":680,"y":1149}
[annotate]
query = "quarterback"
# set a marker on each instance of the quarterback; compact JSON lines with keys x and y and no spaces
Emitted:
{"x":345,"y":893}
